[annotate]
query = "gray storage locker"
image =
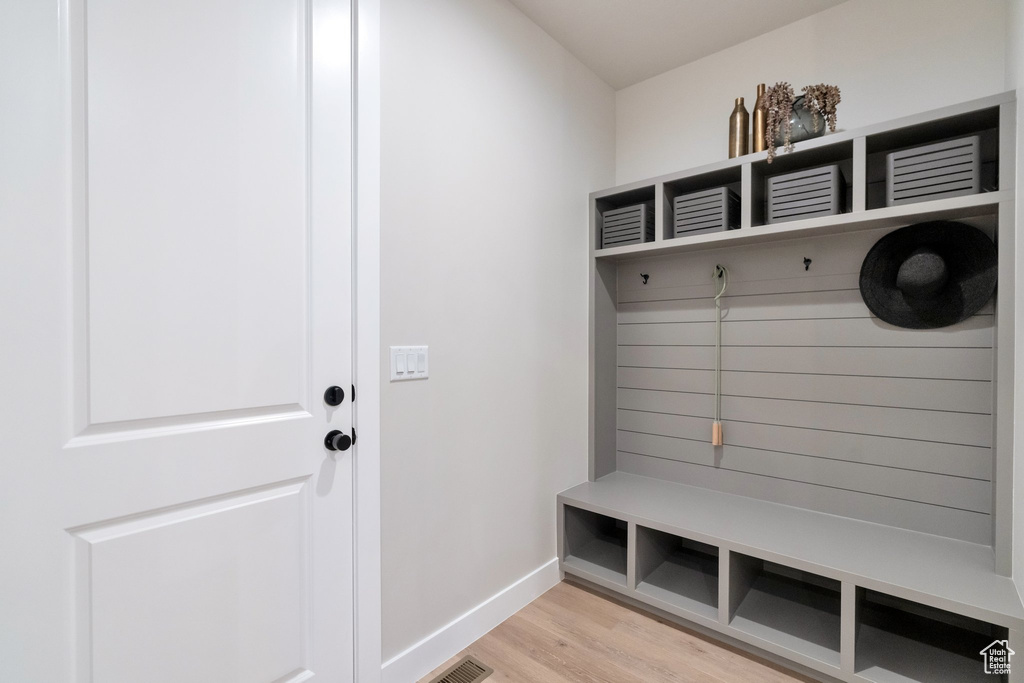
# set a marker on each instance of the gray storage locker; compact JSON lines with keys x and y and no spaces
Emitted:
{"x":945,"y":169}
{"x":805,"y":194}
{"x":706,"y":211}
{"x":628,"y":225}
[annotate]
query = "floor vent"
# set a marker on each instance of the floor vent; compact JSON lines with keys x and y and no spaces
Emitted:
{"x":466,"y":670}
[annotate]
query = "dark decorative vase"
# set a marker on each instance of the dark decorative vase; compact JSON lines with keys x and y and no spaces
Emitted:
{"x":802,"y":121}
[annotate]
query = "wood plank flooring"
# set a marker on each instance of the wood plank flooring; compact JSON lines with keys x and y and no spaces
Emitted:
{"x":573,"y":635}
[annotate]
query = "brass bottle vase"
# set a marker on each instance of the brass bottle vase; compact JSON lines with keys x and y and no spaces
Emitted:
{"x":739,"y":124}
{"x":759,"y":122}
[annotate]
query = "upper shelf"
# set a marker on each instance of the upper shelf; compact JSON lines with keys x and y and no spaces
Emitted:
{"x":953,"y":208}
{"x":861,"y":156}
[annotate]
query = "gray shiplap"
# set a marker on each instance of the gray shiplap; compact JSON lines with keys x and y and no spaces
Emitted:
{"x":896,"y":392}
{"x":974,"y":527}
{"x":824,"y":405}
{"x":975,"y":332}
{"x":950,"y":363}
{"x":924,"y":456}
{"x":800,"y":305}
{"x":968,"y":429}
{"x":937,"y":489}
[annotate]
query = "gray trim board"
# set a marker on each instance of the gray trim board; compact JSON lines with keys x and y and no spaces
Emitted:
{"x":1005,"y":439}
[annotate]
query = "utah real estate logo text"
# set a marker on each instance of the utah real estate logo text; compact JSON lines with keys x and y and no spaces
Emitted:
{"x":997,"y":657}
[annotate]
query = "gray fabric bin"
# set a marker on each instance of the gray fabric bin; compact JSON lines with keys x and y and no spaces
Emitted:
{"x":628,"y":225}
{"x":805,"y":194}
{"x":945,"y":169}
{"x":706,"y":211}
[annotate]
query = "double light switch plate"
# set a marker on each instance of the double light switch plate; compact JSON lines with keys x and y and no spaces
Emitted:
{"x":408,"y":362}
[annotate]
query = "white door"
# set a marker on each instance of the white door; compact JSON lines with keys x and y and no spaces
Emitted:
{"x":175,"y":285}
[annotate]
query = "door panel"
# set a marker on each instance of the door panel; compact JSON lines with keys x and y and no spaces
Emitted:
{"x":223,"y":580}
{"x":167,"y":506}
{"x":195,"y":169}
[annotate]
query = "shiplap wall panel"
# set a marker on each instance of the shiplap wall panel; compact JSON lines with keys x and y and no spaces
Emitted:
{"x":974,"y":462}
{"x":964,"y":494}
{"x":896,"y":392}
{"x":824,"y":405}
{"x":973,"y":333}
{"x":974,"y":527}
{"x":967,"y":429}
{"x":825,"y":283}
{"x":835,"y":260}
{"x":841,"y":303}
{"x":955,"y":363}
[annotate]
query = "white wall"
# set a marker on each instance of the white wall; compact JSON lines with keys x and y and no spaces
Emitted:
{"x":492,"y":137}
{"x":890,"y":59}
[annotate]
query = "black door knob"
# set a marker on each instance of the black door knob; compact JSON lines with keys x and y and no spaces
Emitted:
{"x":337,"y":441}
{"x":334,"y":396}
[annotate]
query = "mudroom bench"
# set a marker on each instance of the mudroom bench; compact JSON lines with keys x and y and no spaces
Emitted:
{"x":854,"y":600}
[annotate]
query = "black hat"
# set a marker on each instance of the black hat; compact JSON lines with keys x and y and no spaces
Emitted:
{"x":929,"y":275}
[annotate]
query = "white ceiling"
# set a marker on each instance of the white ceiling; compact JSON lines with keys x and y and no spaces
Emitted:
{"x":627,"y":41}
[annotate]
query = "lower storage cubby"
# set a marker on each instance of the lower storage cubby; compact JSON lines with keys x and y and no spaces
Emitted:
{"x":596,"y":544}
{"x":899,"y":640}
{"x":790,"y":608}
{"x":677,"y":571}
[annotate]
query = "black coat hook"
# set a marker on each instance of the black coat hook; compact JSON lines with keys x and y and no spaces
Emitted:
{"x":807,"y":263}
{"x":644,"y":276}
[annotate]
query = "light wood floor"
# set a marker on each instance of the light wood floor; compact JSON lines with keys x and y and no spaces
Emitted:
{"x":573,"y":635}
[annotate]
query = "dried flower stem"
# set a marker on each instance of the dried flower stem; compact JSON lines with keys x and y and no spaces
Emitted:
{"x":778,"y":106}
{"x":822,"y":100}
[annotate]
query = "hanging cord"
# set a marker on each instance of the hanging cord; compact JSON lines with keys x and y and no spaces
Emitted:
{"x":721,"y":279}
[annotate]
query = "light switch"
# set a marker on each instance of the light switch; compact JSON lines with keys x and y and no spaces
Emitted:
{"x":409,"y":362}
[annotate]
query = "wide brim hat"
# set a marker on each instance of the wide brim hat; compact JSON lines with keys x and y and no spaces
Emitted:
{"x":929,"y":275}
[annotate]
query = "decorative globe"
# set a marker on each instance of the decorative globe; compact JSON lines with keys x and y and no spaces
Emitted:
{"x":802,"y":121}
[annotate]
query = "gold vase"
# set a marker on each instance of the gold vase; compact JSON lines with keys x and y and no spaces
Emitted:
{"x":759,"y":121}
{"x":739,"y":122}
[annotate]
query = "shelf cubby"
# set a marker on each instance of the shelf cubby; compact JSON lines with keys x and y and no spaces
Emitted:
{"x":840,"y":154}
{"x":644,"y":194}
{"x":900,"y":640}
{"x":796,"y":610}
{"x":596,"y":544}
{"x":677,"y":571}
{"x":984,"y":123}
{"x":730,"y":177}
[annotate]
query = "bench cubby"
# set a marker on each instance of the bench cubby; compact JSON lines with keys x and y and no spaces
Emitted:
{"x":596,"y":543}
{"x":795,"y":609}
{"x":677,"y":571}
{"x":900,"y":640}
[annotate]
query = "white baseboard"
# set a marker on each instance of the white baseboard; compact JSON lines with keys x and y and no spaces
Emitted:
{"x":443,"y":644}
